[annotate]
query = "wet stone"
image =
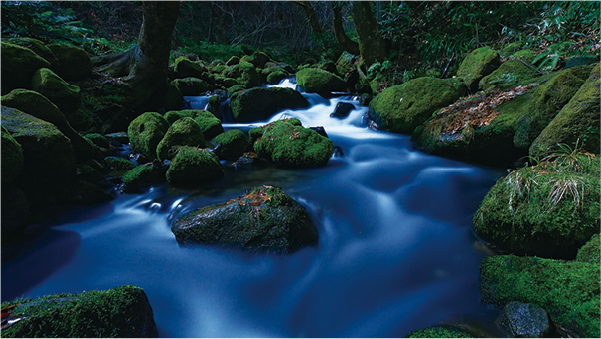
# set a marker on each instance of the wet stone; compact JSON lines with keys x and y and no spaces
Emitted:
{"x":525,"y":320}
{"x":342,"y":110}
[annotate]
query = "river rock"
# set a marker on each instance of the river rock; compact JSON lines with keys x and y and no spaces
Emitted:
{"x":478,"y":64}
{"x":145,"y":133}
{"x":525,"y":320}
{"x":319,"y":81}
{"x":535,"y":210}
{"x":275,"y":75}
{"x":18,"y":64}
{"x":342,"y":110}
{"x":116,"y":166}
{"x":291,"y":146}
{"x":568,"y":291}
{"x":37,"y":47}
{"x":576,"y":124}
{"x":510,"y":73}
{"x":183,"y":132}
{"x":122,"y":312}
{"x":194,"y":167}
{"x":231,"y":144}
{"x":39,"y":106}
{"x":74,"y":63}
{"x":265,"y":219}
{"x":143,"y":176}
{"x":191,"y":86}
{"x":401,"y":108}
{"x":249,"y":77}
{"x":66,"y":97}
{"x":184,"y":68}
{"x":260,"y":103}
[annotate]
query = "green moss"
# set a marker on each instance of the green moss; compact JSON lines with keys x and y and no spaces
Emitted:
{"x":440,"y":331}
{"x":478,"y":64}
{"x":66,"y":97}
{"x":248,"y":75}
{"x":37,"y":47}
{"x":319,"y":81}
{"x":231,"y":144}
{"x":194,"y":167}
{"x":590,"y":252}
{"x":401,"y":108}
{"x":290,"y":146}
{"x":191,"y":86}
{"x":547,"y":101}
{"x":183,"y":132}
{"x":568,"y":291}
{"x":260,"y":103}
{"x":145,"y":132}
{"x":525,"y":55}
{"x":117,"y":166}
{"x":74,"y":63}
{"x":142,"y":176}
{"x":510,"y":73}
{"x":276,"y":76}
{"x":576,"y":122}
{"x":549,"y":210}
{"x":185,"y":68}
{"x":209,"y":124}
{"x":511,"y":49}
{"x":98,"y":139}
{"x":18,"y":64}
{"x":12,"y":158}
{"x":120,"y":312}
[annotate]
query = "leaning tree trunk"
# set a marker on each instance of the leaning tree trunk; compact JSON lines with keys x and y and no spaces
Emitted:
{"x":345,"y":42}
{"x":371,"y":44}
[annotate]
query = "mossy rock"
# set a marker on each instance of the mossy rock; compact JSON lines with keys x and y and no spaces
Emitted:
{"x":74,"y":62}
{"x":257,"y":132}
{"x":183,"y":132}
{"x":511,"y":73}
{"x":34,"y":103}
{"x":249,"y":77}
{"x":209,"y":124}
{"x":345,"y":63}
{"x":260,"y":103}
{"x":276,"y":76}
{"x":141,"y":177}
{"x":12,"y":158}
{"x":233,"y":61}
{"x":591,"y":251}
{"x":319,"y":81}
{"x":185,"y":68}
{"x":265,"y":219}
{"x":18,"y":64}
{"x":98,"y":139}
{"x":568,"y":291}
{"x":478,"y":64}
{"x":231,"y":145}
{"x":194,"y":167}
{"x":66,"y":97}
{"x":440,"y":331}
{"x":191,"y":86}
{"x":548,"y":99}
{"x":293,"y":147}
{"x":511,"y":49}
{"x":145,"y":132}
{"x":525,"y":55}
{"x":576,"y":124}
{"x":37,"y":47}
{"x":549,"y":210}
{"x":116,"y":166}
{"x":229,"y":82}
{"x":401,"y":108}
{"x":123,"y":311}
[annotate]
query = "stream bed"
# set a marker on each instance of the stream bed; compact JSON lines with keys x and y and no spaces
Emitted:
{"x":395,"y":250}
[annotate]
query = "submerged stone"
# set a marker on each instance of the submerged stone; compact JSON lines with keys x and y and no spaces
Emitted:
{"x":342,"y":110}
{"x":266,"y":219}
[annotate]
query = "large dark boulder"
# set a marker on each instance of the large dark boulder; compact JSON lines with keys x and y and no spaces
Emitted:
{"x":18,"y":65}
{"x":319,"y":81}
{"x":260,"y":103}
{"x":145,"y":132}
{"x":121,"y":312}
{"x":231,"y":145}
{"x":183,"y":132}
{"x":266,"y":219}
{"x":66,"y":97}
{"x":74,"y":63}
{"x":37,"y":47}
{"x":478,"y":64}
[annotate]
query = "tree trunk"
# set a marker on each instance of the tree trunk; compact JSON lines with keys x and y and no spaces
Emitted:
{"x":371,"y":44}
{"x":345,"y":42}
{"x":313,"y":21}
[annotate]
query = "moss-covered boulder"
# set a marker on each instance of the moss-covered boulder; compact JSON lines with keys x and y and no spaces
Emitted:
{"x":440,"y":331}
{"x":265,"y":219}
{"x":194,"y":167}
{"x":37,"y":47}
{"x":346,"y":63}
{"x":116,"y":166}
{"x":191,"y":86}
{"x":249,"y":77}
{"x":209,"y":124}
{"x":591,"y":251}
{"x":12,"y":158}
{"x":145,"y":132}
{"x":120,"y":312}
{"x":143,"y":176}
{"x":319,"y":81}
{"x":231,"y":145}
{"x":479,"y":129}
{"x":18,"y":64}
{"x":548,"y":210}
{"x":568,"y":291}
{"x":290,"y":146}
{"x":276,"y":76}
{"x":478,"y":64}
{"x":403,"y":107}
{"x":39,"y":106}
{"x":576,"y":124}
{"x":511,"y":73}
{"x":184,"y":68}
{"x":74,"y":63}
{"x":66,"y":97}
{"x":98,"y":139}
{"x":260,"y":103}
{"x":183,"y":132}
{"x":548,"y":99}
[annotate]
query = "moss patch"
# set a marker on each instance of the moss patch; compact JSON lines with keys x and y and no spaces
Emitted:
{"x":440,"y":331}
{"x":12,"y":158}
{"x":66,"y":97}
{"x":319,"y":81}
{"x":145,"y":132}
{"x":183,"y":132}
{"x":194,"y":167}
{"x":511,"y":73}
{"x":590,"y":252}
{"x":478,"y":64}
{"x":231,"y":144}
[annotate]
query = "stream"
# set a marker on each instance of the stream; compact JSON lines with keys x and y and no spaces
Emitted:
{"x":395,"y":250}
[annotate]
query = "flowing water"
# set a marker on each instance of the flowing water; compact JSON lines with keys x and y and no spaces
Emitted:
{"x":395,"y":251}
